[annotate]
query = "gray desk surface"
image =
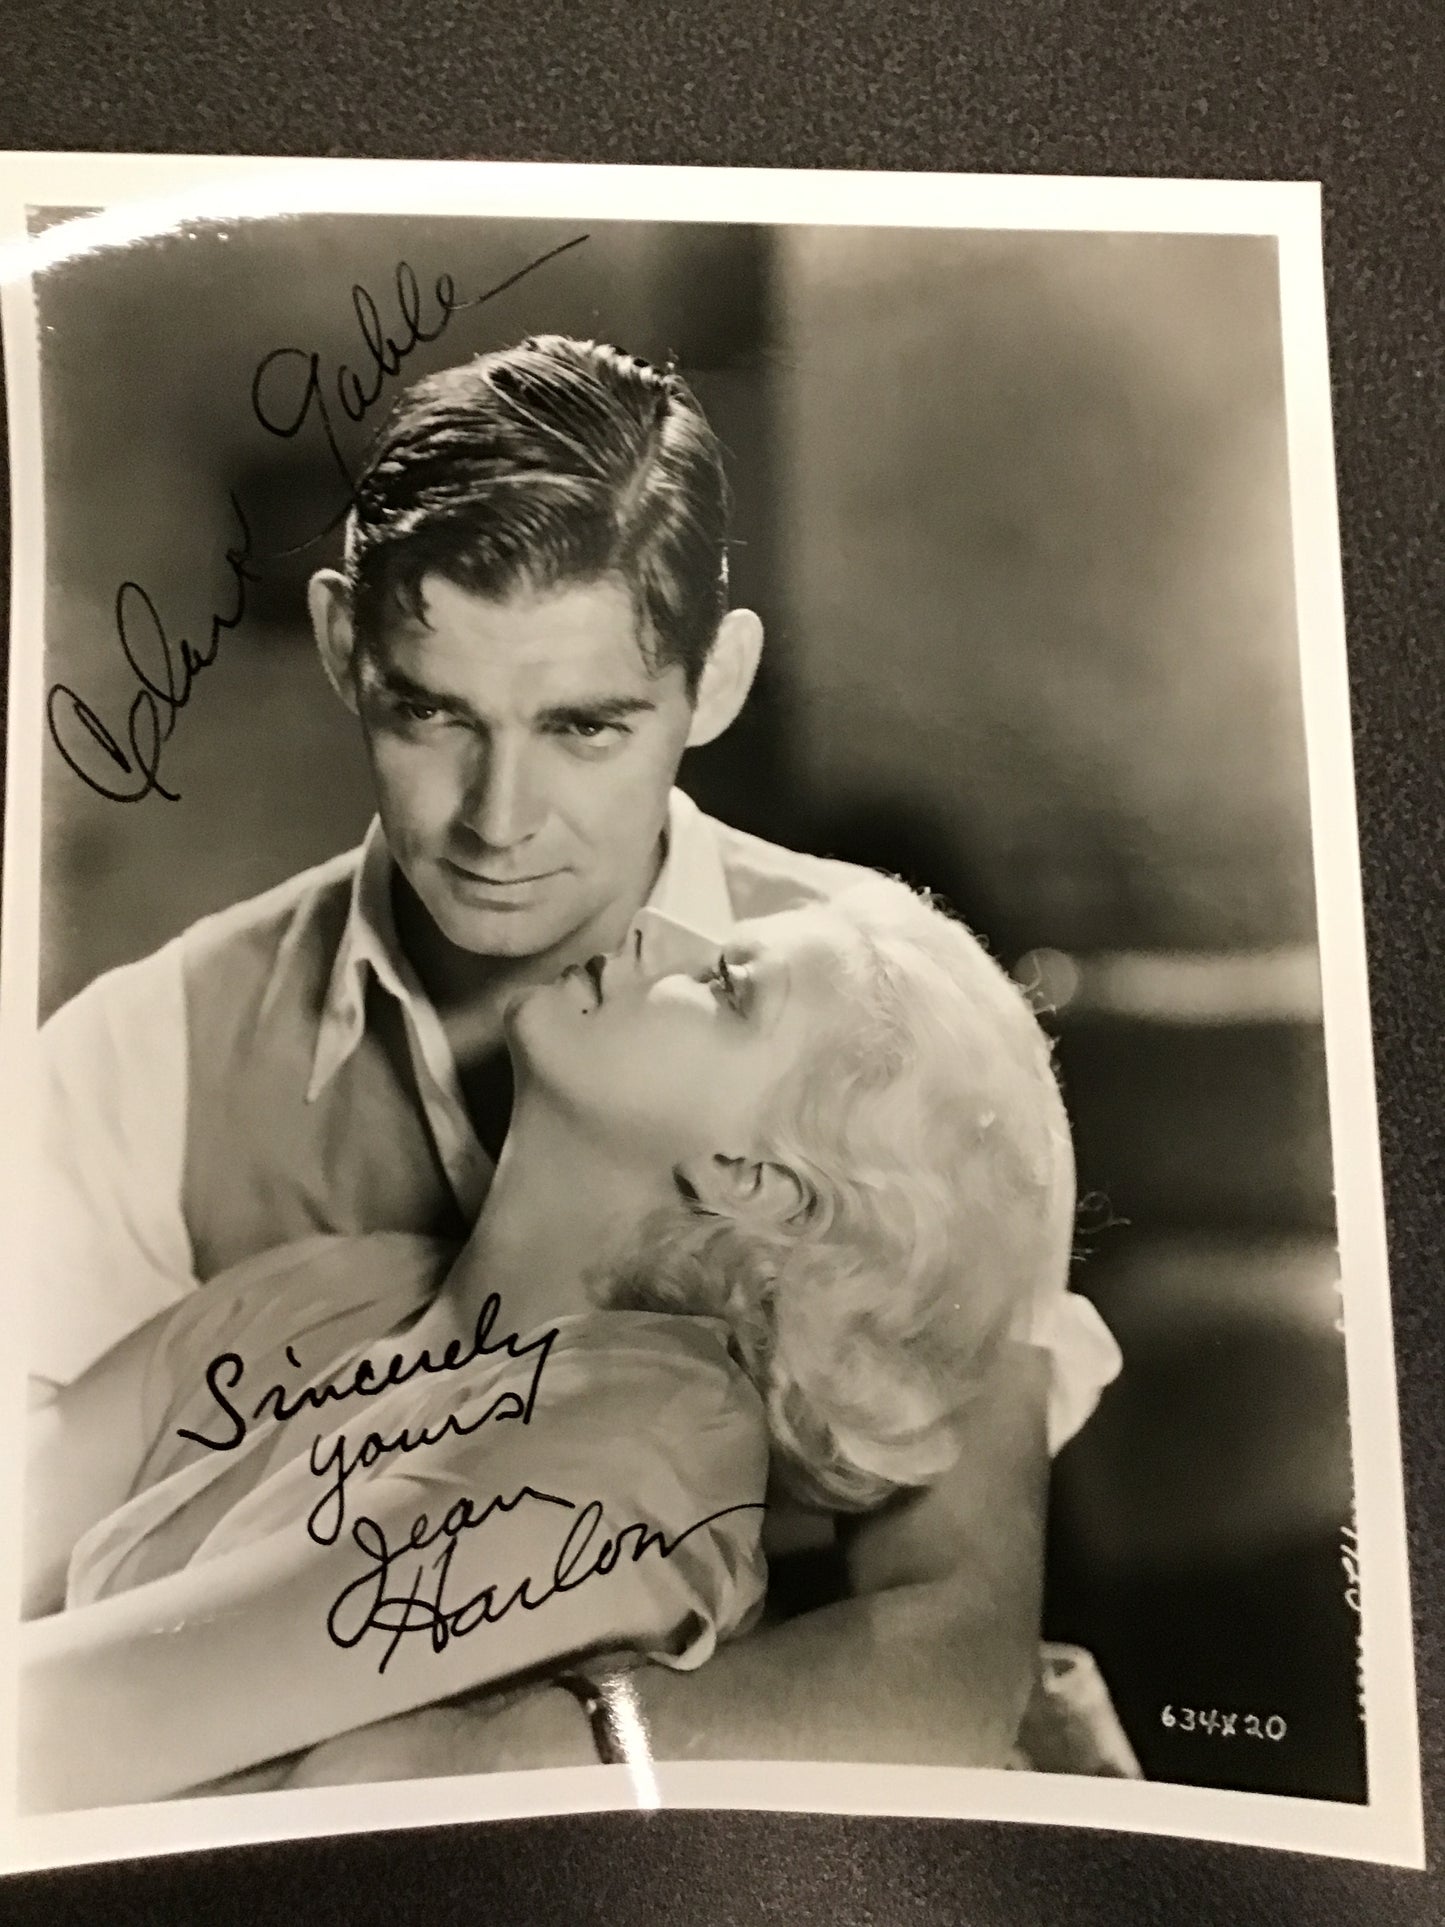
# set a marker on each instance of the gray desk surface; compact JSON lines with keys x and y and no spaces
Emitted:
{"x":1350,"y":94}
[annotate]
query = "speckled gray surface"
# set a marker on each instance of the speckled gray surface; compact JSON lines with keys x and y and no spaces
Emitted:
{"x":1350,"y":94}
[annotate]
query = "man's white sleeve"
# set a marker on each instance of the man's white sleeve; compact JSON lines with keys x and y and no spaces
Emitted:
{"x":1083,"y":1360}
{"x":111,"y":1246}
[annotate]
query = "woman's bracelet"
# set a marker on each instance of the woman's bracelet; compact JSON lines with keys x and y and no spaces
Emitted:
{"x":602,"y":1699}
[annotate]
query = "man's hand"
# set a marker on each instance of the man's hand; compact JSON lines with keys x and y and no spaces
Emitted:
{"x":543,"y":1726}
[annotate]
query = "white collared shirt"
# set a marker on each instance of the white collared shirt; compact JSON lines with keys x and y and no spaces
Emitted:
{"x":115,"y":1248}
{"x":691,"y":887}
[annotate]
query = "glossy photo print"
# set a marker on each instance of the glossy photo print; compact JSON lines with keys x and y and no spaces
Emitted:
{"x":689,"y":1107}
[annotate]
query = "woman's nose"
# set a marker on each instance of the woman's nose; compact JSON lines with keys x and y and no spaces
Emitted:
{"x":664,"y":945}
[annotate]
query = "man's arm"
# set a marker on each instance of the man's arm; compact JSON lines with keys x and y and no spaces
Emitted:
{"x":932,"y":1657}
{"x":930,"y":1661}
{"x":111,"y":1247}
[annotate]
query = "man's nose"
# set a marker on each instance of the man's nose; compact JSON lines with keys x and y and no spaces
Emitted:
{"x":502,"y":808}
{"x":665,"y":945}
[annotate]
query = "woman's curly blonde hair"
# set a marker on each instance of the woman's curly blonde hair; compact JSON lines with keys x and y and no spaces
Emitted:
{"x":935,"y":1178}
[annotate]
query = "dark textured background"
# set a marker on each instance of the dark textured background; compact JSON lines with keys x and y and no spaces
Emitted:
{"x":1349,"y":95}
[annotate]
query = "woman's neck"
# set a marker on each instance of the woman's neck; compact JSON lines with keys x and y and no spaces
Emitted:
{"x":559,"y":1215}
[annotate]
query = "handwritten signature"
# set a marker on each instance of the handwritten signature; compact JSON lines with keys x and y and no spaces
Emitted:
{"x":338,"y":1460}
{"x":373,"y":1600}
{"x":288,"y":391}
{"x":367,"y":1603}
{"x":165,"y":687}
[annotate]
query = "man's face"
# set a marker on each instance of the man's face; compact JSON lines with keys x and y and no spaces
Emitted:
{"x":523,"y":753}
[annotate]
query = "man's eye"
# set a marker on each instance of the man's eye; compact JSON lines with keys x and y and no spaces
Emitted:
{"x":586,"y":729}
{"x":418,"y":712}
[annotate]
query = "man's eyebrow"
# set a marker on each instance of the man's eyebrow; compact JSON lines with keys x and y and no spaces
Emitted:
{"x":394,"y":682}
{"x":598,"y":709}
{"x":594,"y":709}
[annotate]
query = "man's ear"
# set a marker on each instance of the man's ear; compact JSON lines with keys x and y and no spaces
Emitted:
{"x":330,"y":607}
{"x":745,"y":1187}
{"x":727,"y":676}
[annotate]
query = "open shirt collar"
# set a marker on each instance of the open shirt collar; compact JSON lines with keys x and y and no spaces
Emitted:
{"x":691,"y":887}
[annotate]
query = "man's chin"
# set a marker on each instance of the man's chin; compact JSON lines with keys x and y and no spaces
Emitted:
{"x":493,"y":933}
{"x":515,"y":930}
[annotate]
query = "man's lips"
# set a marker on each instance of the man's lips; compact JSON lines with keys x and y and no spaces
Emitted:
{"x":498,"y":883}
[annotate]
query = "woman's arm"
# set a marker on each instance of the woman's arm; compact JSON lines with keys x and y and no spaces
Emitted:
{"x":85,"y":1444}
{"x":279,"y":1645}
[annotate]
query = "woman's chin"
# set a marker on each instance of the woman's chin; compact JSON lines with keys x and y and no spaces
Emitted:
{"x":536,"y":1020}
{"x":514,"y":1000}
{"x":519,"y":1023}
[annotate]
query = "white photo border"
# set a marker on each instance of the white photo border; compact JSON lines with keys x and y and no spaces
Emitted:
{"x":137,"y":196}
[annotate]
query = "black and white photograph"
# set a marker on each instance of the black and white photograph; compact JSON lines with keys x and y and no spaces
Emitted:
{"x":690,"y":1115}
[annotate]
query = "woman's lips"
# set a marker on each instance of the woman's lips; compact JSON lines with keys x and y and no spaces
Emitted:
{"x":589,"y":973}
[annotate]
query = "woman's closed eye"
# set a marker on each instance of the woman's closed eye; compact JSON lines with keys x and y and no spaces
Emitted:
{"x":732,"y":983}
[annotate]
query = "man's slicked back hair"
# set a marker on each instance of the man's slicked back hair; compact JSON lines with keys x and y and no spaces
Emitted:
{"x":544,"y":466}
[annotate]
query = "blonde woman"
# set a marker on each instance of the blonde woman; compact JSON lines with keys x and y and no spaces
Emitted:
{"x":766,"y":1206}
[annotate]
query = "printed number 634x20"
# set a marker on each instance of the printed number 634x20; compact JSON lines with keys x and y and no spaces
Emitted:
{"x":1224,"y":1726}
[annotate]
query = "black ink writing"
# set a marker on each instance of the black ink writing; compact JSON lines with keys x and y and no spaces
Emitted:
{"x":165,"y":673}
{"x":367,"y":1604}
{"x":328,"y":1515}
{"x":224,"y":1374}
{"x":288,"y":392}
